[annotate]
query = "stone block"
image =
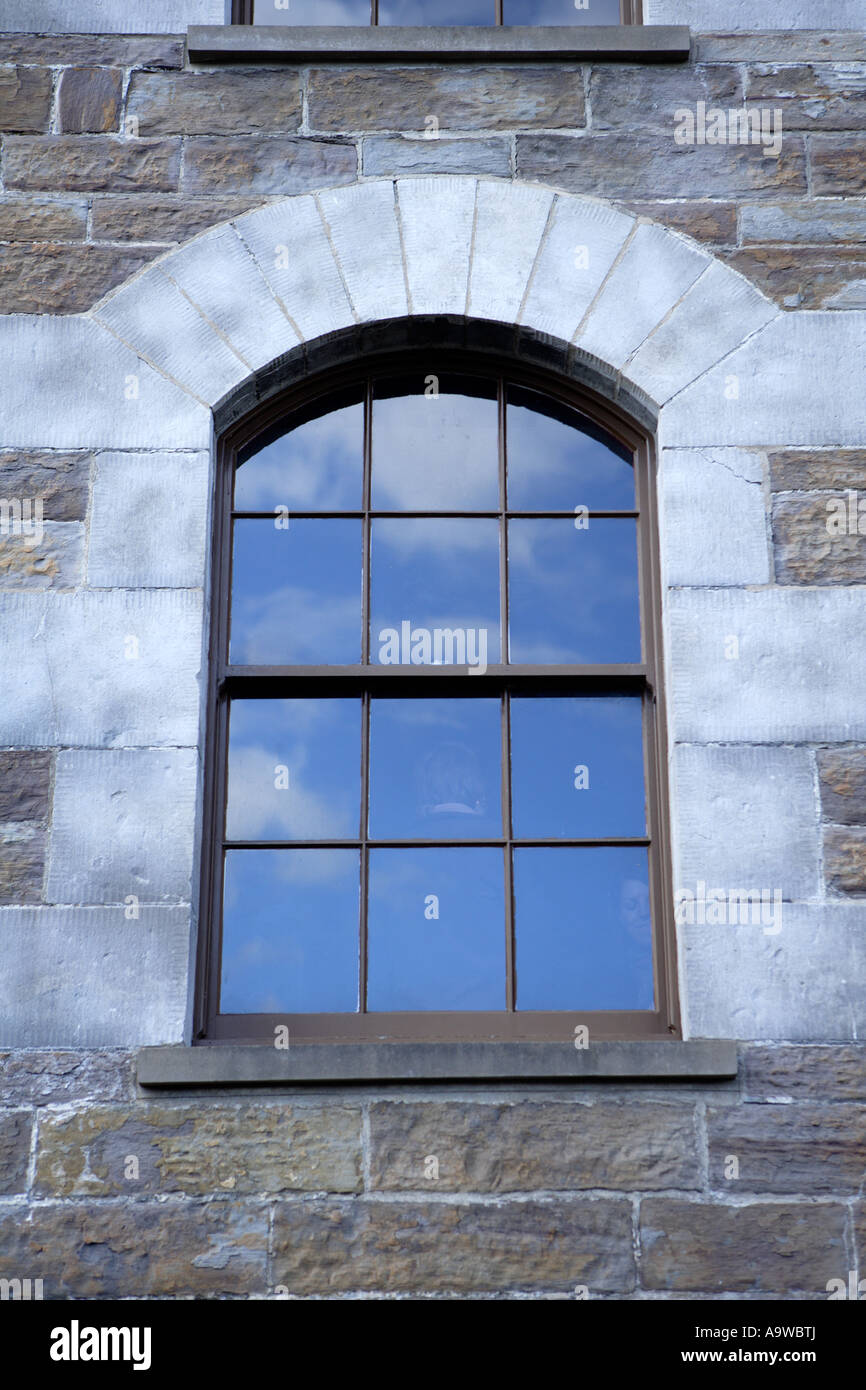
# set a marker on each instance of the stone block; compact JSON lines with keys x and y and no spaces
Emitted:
{"x":405,"y":154}
{"x":68,"y":50}
{"x":582,"y":242}
{"x":290,"y":244}
{"x":89,"y":100}
{"x":658,"y":91}
{"x":54,"y":560}
{"x":838,"y":165}
{"x":810,"y":96}
{"x":802,"y":470}
{"x":148,"y":527}
{"x":64,"y":279}
{"x":510,"y":222}
{"x":102,"y":164}
{"x":845,"y":860}
{"x":842,"y":778}
{"x":248,"y":165}
{"x":97,"y":17}
{"x":781,"y":1074}
{"x":161,"y":219}
{"x":42,"y":219}
{"x":828,"y":220}
{"x":60,"y":481}
{"x":123,"y":825}
{"x":361,"y":223}
{"x":799,"y":277}
{"x":704,"y":221}
{"x":249,"y":101}
{"x":797,"y":1149}
{"x":25,"y":98}
{"x":22,"y":863}
{"x":25,"y":785}
{"x":436,"y":218}
{"x":15,"y":1133}
{"x":725,"y":543}
{"x":726,"y":16}
{"x":806,"y":552}
{"x":49,"y":1077}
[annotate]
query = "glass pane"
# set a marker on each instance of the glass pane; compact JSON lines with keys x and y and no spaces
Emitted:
{"x":574,"y":591}
{"x":562,"y":12}
{"x":558,"y":460}
{"x":435,"y":452}
{"x":290,"y":931}
{"x":436,"y":929}
{"x":294,"y":770}
{"x":577,"y":768}
{"x":311,"y":12}
{"x":296,"y":593}
{"x":437,"y":12}
{"x":317,"y":466}
{"x":435,"y":592}
{"x":582,"y":925}
{"x":435,"y":769}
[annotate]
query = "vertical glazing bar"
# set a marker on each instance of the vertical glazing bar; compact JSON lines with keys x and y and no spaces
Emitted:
{"x":365,"y":803}
{"x":503,"y":529}
{"x":368,"y":453}
{"x":510,"y":963}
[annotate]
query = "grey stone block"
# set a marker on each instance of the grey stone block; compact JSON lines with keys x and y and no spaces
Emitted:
{"x":509,"y":226}
{"x":107,"y":16}
{"x":88,"y":977}
{"x":436,"y":218}
{"x":149,"y":518}
{"x":72,"y":675}
{"x":713,"y":518}
{"x":123,"y":824}
{"x":361,"y":221}
{"x":830,"y":220}
{"x":806,"y":984}
{"x":92,"y":391}
{"x":582,"y":242}
{"x":799,"y":674}
{"x":747,"y":819}
{"x":797,"y":382}
{"x":404,"y":154}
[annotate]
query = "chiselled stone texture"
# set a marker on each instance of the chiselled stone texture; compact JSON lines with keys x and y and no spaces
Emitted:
{"x":92,"y":163}
{"x":15,"y":1130}
{"x":374,"y":97}
{"x":779,"y":1148}
{"x":22,"y":863}
{"x":65,"y":279}
{"x":807,"y":551}
{"x":842,"y":775}
{"x":241,"y":1150}
{"x":135,"y":1250}
{"x":325,"y":1247}
{"x":61,"y":481}
{"x":828,"y":470}
{"x":232,"y":102}
{"x":492,"y":1148}
{"x":48,"y":1077}
{"x":89,"y":101}
{"x":805,"y":277}
{"x":826,"y":1074}
{"x":25,"y":98}
{"x":845,"y":860}
{"x":810,"y":96}
{"x":706,"y":220}
{"x":246,"y":165}
{"x":161,"y":219}
{"x":838,"y":165}
{"x":117,"y":50}
{"x":25,"y":788}
{"x":773,"y":1249}
{"x":41,"y":219}
{"x":52,"y":558}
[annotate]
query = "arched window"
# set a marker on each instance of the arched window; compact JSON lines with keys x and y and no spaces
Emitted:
{"x":435,"y":12}
{"x":435,"y":749}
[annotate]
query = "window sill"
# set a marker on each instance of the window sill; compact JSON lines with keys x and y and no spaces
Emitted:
{"x":263,"y":1065}
{"x":247,"y":43}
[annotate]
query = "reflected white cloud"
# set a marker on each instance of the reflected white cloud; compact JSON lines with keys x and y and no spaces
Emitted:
{"x":435,"y":453}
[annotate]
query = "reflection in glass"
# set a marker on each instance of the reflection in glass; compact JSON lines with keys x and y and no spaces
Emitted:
{"x":296,"y":593}
{"x":573,"y":591}
{"x":435,"y":929}
{"x":294,"y":770}
{"x":562,"y":12}
{"x":558,"y":460}
{"x":435,"y":769}
{"x":435,"y":592}
{"x":290,"y":931}
{"x":577,"y":768}
{"x":582,"y":929}
{"x":437,"y":12}
{"x":315,"y":467}
{"x":435,"y":452}
{"x":311,"y":12}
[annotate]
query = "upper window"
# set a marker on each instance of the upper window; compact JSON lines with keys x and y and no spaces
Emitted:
{"x":435,"y":12}
{"x":434,"y":783}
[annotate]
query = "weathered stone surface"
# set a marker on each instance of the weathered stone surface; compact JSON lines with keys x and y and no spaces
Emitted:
{"x":60,"y":480}
{"x":89,"y":100}
{"x":824,"y":220}
{"x":805,"y":551}
{"x":401,"y":154}
{"x":121,"y":50}
{"x":54,"y":560}
{"x":460,"y":98}
{"x":845,"y":860}
{"x":246,"y":165}
{"x":806,"y":278}
{"x":25,"y":98}
{"x":778,"y":45}
{"x":774,"y":1248}
{"x":838,"y":164}
{"x":32,"y":1077}
{"x":137,"y":1249}
{"x":735,"y":549}
{"x":803,"y":470}
{"x":804,"y":1073}
{"x":242,"y":1149}
{"x":648,"y":165}
{"x":65,"y":279}
{"x":148,"y":523}
{"x":25,"y":785}
{"x":15,"y":1131}
{"x":42,"y":219}
{"x":842,"y":775}
{"x":160,"y":219}
{"x":220,"y":103}
{"x":810,"y":96}
{"x":22,"y":863}
{"x":328,"y":1247}
{"x":657,"y":91}
{"x":788,"y":1148}
{"x":515,"y":1148}
{"x":713,"y":222}
{"x":97,"y":163}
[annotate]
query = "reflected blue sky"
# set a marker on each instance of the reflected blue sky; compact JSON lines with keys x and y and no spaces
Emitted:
{"x":561,"y":12}
{"x":437,"y":12}
{"x":319,"y":466}
{"x":436,"y":929}
{"x":596,"y":743}
{"x":435,"y":453}
{"x":555,"y":466}
{"x":312,"y":12}
{"x":573,"y":593}
{"x":582,"y":929}
{"x":290,"y":931}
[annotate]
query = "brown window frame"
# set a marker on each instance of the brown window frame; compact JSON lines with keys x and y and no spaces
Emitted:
{"x":630,"y":11}
{"x":225,"y":681}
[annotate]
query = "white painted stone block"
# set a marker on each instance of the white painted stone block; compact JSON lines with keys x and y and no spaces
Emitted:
{"x":436,"y":218}
{"x":582,"y":242}
{"x":731,"y":16}
{"x":362,"y":222}
{"x":509,"y":225}
{"x":713,"y":517}
{"x":149,"y":521}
